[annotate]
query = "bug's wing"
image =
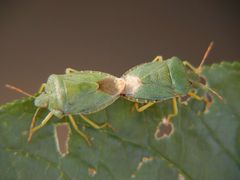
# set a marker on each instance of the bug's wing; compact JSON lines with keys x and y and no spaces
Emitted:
{"x":75,"y":90}
{"x":85,"y":97}
{"x":156,"y":82}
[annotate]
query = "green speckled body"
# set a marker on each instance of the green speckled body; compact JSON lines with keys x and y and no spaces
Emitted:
{"x":159,"y":80}
{"x":76,"y":93}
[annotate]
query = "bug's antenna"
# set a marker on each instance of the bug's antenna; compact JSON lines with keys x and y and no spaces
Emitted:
{"x":18,"y":90}
{"x":32,"y":125}
{"x":214,"y":92}
{"x":205,"y":56}
{"x":205,"y":87}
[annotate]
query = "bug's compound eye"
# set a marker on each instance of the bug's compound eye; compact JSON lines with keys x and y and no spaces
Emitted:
{"x":41,"y":100}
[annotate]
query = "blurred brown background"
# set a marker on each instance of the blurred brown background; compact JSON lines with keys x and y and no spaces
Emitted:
{"x":40,"y":38}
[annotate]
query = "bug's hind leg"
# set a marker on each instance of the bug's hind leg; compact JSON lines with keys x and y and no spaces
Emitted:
{"x":94,"y":125}
{"x":70,"y":70}
{"x":207,"y":100}
{"x":158,"y":59}
{"x":144,"y":107}
{"x":43,"y":123}
{"x":74,"y":124}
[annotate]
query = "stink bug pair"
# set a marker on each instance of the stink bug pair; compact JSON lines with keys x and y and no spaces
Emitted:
{"x":85,"y":92}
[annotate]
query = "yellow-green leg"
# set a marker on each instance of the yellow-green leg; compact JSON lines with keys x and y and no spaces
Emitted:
{"x":158,"y":59}
{"x":74,"y":124}
{"x":94,"y":125}
{"x":175,"y":110}
{"x":43,"y":123}
{"x":144,"y":107}
{"x":199,"y":98}
{"x":70,"y":70}
{"x":42,"y":87}
{"x":187,"y":64}
{"x":32,"y":125}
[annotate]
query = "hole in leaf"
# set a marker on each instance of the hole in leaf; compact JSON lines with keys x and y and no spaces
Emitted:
{"x":164,"y":129}
{"x":61,"y":132}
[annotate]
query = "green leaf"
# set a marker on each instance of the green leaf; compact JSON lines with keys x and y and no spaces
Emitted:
{"x":203,"y":146}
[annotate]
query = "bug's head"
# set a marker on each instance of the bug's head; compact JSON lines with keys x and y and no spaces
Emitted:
{"x":42,"y":100}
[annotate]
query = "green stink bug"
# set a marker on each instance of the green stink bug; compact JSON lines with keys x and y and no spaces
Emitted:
{"x":161,"y":80}
{"x":76,"y":93}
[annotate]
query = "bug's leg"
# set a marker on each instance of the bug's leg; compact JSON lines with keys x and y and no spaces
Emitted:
{"x":207,"y":101}
{"x":42,"y":87}
{"x":32,"y":125}
{"x":175,"y":110}
{"x":144,"y":107}
{"x":158,"y":59}
{"x":75,"y":126}
{"x":70,"y":70}
{"x":43,"y":123}
{"x":94,"y":125}
{"x":187,"y":64}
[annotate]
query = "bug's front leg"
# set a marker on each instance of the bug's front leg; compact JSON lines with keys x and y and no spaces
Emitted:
{"x":70,"y":70}
{"x":43,"y":123}
{"x":144,"y":107}
{"x":207,"y":100}
{"x":187,"y":64}
{"x":158,"y":59}
{"x":94,"y":125}
{"x":42,"y":87}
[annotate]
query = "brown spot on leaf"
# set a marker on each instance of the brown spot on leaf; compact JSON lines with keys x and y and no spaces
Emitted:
{"x":141,"y":163}
{"x":61,"y":132}
{"x":92,"y":172}
{"x":164,"y":129}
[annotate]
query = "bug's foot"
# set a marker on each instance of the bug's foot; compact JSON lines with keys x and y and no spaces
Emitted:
{"x":133,"y":109}
{"x":107,"y":125}
{"x":164,"y":129}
